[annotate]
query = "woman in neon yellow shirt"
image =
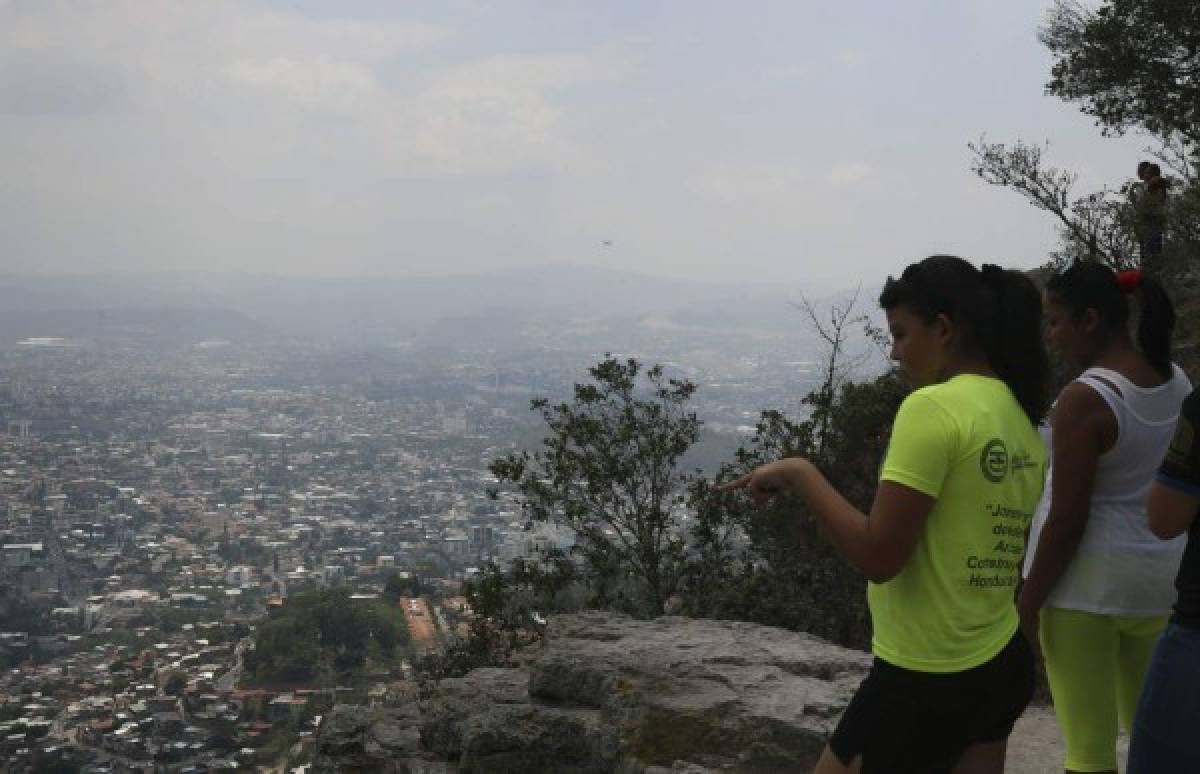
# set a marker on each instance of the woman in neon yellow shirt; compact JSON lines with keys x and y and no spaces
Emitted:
{"x":942,"y":544}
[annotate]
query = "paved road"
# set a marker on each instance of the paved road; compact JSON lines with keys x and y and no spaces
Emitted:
{"x":229,"y":680}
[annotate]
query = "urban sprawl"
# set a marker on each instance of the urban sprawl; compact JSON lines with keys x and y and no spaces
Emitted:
{"x":156,"y":507}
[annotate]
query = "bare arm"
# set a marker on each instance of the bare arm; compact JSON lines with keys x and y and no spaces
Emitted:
{"x":1082,"y":425}
{"x":879,"y":544}
{"x":1170,"y":511}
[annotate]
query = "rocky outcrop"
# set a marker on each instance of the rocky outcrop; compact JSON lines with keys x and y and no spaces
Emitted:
{"x":606,"y":693}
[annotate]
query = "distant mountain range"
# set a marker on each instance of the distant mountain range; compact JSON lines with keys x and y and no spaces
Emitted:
{"x":372,"y":310}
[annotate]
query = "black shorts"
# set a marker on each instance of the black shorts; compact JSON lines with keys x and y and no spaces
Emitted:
{"x":905,"y":722}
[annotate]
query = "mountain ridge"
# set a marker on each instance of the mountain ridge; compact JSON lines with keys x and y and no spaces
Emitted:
{"x":374,"y":309}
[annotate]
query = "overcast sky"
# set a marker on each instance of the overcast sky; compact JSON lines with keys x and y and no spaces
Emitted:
{"x":801,"y":142}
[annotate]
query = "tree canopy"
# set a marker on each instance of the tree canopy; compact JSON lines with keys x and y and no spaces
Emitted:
{"x":1129,"y":63}
{"x":1132,"y":65}
{"x":609,"y":469}
{"x":321,"y":630}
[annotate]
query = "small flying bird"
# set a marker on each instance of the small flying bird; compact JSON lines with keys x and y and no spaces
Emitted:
{"x":607,"y":242}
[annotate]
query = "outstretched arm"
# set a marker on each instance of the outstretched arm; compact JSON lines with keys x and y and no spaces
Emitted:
{"x":879,"y":544}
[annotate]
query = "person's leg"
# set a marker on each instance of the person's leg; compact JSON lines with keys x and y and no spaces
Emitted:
{"x":829,"y":764}
{"x":1005,"y":689}
{"x":866,"y":719}
{"x":983,"y":758}
{"x":1164,"y":730}
{"x":1152,"y":249}
{"x":1138,"y":635}
{"x":1080,"y":652}
{"x":902,"y":722}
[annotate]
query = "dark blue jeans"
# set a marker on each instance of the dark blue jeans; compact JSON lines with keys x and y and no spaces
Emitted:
{"x":1165,"y":738}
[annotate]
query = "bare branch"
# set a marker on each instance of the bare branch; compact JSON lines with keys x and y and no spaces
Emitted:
{"x":1097,"y":225}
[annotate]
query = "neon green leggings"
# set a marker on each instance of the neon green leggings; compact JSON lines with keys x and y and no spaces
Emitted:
{"x":1095,"y":665}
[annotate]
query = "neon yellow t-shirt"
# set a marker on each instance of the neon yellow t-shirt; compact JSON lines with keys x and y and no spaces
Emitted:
{"x":966,"y":443}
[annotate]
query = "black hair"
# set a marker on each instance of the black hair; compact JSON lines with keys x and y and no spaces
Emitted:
{"x":998,"y":313}
{"x":1143,"y":167}
{"x":1091,"y":285}
{"x":1155,"y":169}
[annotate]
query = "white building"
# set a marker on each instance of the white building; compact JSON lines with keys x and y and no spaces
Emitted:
{"x":18,"y":554}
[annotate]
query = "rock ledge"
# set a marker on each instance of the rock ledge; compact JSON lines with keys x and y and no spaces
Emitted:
{"x":606,"y":693}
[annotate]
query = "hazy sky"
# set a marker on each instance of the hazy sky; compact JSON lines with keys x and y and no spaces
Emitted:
{"x":802,"y":141}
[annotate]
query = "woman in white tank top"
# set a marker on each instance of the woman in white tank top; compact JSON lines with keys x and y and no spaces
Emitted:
{"x":1098,"y":584}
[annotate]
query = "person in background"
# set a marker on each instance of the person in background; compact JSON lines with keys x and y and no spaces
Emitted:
{"x":1150,"y":211}
{"x":942,"y":543}
{"x":1097,"y":586}
{"x":1164,"y":728}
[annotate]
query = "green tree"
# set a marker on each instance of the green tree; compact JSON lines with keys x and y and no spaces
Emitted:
{"x":175,"y":683}
{"x":385,"y":628}
{"x":1097,"y":225}
{"x":1131,"y":64}
{"x":772,"y":565}
{"x":285,"y":648}
{"x":835,"y":327}
{"x":398,"y":586}
{"x":323,"y":630}
{"x":609,"y":470}
{"x":507,"y":611}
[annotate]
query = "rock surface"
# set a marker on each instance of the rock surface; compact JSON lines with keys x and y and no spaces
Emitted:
{"x":609,"y":694}
{"x":606,"y":693}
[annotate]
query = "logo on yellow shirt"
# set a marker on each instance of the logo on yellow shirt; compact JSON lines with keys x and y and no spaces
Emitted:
{"x":993,"y":461}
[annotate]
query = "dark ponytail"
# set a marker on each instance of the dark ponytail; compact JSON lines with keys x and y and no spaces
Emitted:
{"x":1156,"y":325}
{"x":997,"y":311}
{"x":1091,"y":285}
{"x":1016,"y":350}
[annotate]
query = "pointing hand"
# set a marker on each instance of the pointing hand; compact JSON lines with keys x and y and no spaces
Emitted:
{"x":766,"y":481}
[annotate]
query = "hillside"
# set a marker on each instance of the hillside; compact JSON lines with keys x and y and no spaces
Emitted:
{"x":380,"y":310}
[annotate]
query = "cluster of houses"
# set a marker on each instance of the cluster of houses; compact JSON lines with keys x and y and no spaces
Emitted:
{"x":151,"y":514}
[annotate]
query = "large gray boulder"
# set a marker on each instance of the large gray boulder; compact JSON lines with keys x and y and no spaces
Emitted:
{"x":606,"y":693}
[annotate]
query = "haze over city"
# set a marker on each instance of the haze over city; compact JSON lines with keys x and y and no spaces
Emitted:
{"x":464,"y":385}
{"x":785,"y":143}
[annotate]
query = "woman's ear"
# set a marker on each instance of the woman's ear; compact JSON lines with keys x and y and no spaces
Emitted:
{"x":943,"y":329}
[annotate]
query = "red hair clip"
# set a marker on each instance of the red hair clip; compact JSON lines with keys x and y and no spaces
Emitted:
{"x":1129,"y":280}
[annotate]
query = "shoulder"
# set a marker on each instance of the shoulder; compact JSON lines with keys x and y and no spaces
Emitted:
{"x":928,"y":392}
{"x":1079,"y":396}
{"x":1079,"y":404}
{"x":947,"y":392}
{"x":922,"y":416}
{"x":963,"y":400}
{"x":933,"y":399}
{"x":966,"y":394}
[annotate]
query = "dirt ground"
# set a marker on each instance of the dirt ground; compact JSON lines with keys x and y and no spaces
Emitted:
{"x":420,"y":625}
{"x":1035,"y":746}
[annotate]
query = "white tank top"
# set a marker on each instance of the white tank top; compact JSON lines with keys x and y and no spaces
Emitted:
{"x":1121,"y":568}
